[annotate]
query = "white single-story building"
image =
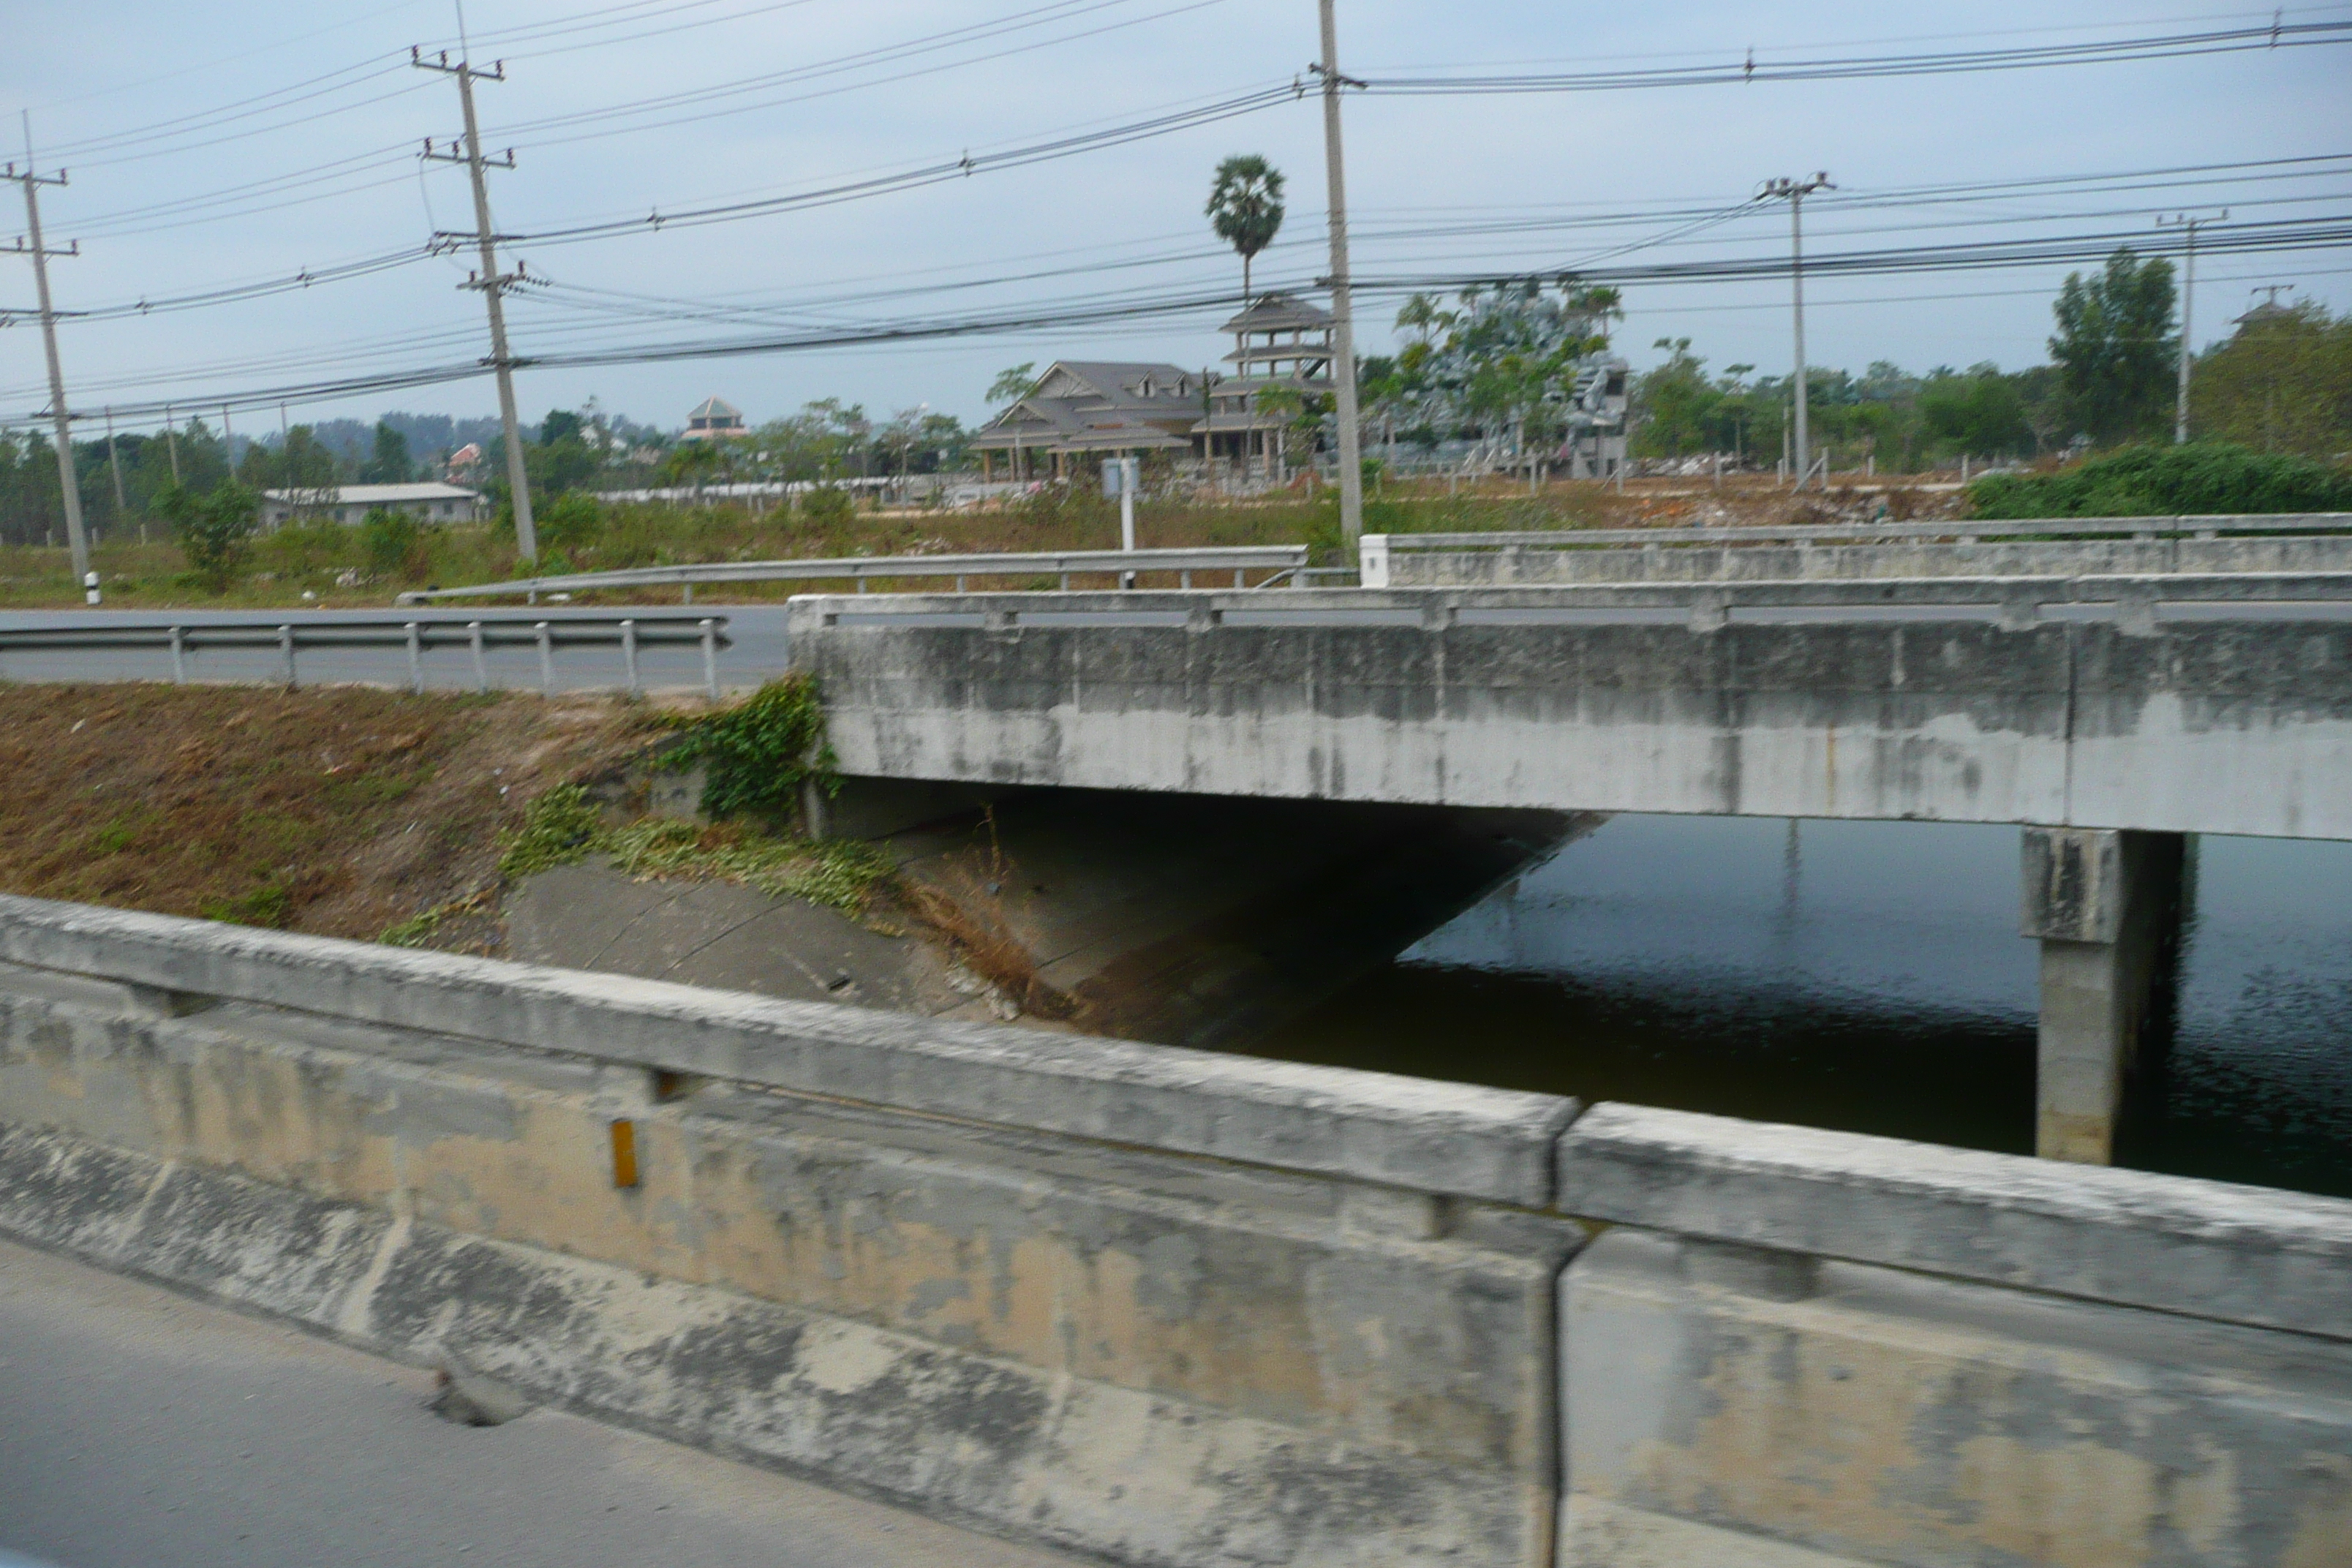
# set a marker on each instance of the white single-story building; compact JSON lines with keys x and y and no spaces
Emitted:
{"x":349,"y":503}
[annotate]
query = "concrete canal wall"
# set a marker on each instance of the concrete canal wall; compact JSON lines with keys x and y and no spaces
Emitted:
{"x":1171,"y":1307}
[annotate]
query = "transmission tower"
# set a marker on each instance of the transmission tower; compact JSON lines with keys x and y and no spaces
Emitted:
{"x":488,"y":279}
{"x":68,"y":480}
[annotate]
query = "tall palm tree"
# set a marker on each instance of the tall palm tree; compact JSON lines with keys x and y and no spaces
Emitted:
{"x":1245,"y":209}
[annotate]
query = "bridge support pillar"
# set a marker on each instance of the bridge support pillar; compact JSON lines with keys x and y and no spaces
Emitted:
{"x":2106,"y":906}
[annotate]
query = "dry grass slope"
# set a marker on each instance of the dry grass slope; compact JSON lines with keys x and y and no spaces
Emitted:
{"x":334,"y":810}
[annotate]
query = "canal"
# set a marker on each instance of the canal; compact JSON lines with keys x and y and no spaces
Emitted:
{"x":1869,"y":976}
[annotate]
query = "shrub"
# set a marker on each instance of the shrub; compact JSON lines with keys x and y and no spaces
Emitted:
{"x":2160,"y":481}
{"x":570,"y":521}
{"x":560,"y":826}
{"x":760,"y":751}
{"x":215,"y":530}
{"x":826,"y":506}
{"x":389,"y":542}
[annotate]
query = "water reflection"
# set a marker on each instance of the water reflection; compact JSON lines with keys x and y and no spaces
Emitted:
{"x":1867,"y":976}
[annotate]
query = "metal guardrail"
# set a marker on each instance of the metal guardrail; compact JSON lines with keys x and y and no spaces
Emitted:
{"x":626,"y":633}
{"x":1240,"y":560}
{"x":1967,"y":530}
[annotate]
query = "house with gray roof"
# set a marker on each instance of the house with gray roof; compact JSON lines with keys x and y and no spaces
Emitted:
{"x":1104,"y":407}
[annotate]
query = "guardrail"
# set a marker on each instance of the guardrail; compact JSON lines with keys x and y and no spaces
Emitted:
{"x":1967,"y":530}
{"x":626,"y":633}
{"x":1275,"y":560}
{"x":2137,"y":602}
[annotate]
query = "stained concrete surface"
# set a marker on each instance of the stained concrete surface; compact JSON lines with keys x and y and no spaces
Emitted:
{"x":730,"y":937}
{"x":139,"y":1428}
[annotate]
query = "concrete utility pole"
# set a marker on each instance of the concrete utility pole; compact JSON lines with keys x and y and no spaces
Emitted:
{"x":68,"y":481}
{"x":2188,"y":290}
{"x":492,"y":284}
{"x":1343,"y":326}
{"x":1796,"y":192}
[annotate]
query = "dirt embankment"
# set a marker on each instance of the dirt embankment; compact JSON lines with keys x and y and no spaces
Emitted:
{"x":339,"y":810}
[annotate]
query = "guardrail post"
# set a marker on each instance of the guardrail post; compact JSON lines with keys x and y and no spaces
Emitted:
{"x":710,"y":658}
{"x":546,"y":659}
{"x":629,"y":652}
{"x":179,"y":664}
{"x":481,"y":669}
{"x":286,"y":647}
{"x":416,"y":660}
{"x":1237,"y":577}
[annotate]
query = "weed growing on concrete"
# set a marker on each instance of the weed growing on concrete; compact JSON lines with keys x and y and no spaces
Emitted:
{"x":759,"y":751}
{"x":559,"y":826}
{"x":842,"y":873}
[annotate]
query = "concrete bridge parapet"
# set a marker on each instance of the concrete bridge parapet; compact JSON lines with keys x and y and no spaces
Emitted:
{"x":1172,"y":1308}
{"x":2222,"y":705}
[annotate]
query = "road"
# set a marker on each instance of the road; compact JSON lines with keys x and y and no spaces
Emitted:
{"x":143,"y":1429}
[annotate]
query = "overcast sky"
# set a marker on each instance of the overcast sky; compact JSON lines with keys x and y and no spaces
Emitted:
{"x":239,"y":142}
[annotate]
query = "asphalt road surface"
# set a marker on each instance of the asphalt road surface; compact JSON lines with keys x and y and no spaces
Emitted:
{"x":142,"y":1429}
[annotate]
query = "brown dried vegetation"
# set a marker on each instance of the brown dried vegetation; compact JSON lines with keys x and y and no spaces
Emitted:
{"x":333,"y":810}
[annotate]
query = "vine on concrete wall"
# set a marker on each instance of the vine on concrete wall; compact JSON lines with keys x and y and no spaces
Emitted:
{"x":760,"y":751}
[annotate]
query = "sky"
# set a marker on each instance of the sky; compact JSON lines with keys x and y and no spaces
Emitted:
{"x":250,"y":142}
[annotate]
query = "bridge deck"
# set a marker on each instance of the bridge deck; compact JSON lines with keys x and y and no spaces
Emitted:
{"x":2216,"y":705}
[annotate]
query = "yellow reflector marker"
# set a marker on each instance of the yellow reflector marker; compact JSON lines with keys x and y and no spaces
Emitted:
{"x":624,"y":1154}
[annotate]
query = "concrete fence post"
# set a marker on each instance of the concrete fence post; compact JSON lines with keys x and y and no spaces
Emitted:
{"x":546,"y":657}
{"x":481,"y":666}
{"x":2106,"y":906}
{"x":710,"y":659}
{"x":179,"y":656}
{"x":416,"y":660}
{"x":629,"y":653}
{"x":286,"y":651}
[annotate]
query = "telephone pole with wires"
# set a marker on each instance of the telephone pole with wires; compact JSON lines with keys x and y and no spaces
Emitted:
{"x":1795,"y":191}
{"x":488,"y":279}
{"x":2189,"y":223}
{"x":1343,"y":325}
{"x":68,"y":481}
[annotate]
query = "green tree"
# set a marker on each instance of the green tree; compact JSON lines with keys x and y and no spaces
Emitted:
{"x":1013,"y":382}
{"x":2282,"y":383}
{"x":561,"y":425}
{"x":1675,"y":404}
{"x":215,"y":530}
{"x":390,"y":464}
{"x":1981,"y":411}
{"x":1245,"y":209}
{"x":2115,"y":347}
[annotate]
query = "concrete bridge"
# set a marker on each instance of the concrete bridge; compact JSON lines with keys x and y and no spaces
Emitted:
{"x":2108,"y":716}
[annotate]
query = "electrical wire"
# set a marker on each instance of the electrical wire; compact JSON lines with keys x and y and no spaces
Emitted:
{"x":2178,"y":46}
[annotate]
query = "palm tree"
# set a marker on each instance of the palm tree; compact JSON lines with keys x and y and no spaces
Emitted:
{"x":1245,"y":209}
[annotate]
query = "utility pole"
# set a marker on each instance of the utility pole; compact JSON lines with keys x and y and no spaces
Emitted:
{"x":1343,"y":326}
{"x":1796,"y":192}
{"x":68,"y":481}
{"x":171,"y":440}
{"x":490,"y":281}
{"x":2188,"y":291}
{"x":114,"y":461}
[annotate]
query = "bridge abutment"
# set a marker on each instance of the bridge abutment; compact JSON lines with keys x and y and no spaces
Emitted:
{"x":2106,"y":906}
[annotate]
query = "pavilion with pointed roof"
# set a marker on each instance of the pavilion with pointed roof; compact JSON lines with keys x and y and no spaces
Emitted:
{"x":712,"y":418}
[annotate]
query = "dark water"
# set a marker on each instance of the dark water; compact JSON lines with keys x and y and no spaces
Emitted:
{"x":1869,"y":976}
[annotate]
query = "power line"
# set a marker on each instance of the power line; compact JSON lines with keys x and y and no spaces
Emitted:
{"x":2178,"y":46}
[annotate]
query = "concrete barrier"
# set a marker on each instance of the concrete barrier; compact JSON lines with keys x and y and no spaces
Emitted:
{"x":2131,"y":547}
{"x":1174,"y":1308}
{"x":1808,"y":1350}
{"x":1165,"y":1306}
